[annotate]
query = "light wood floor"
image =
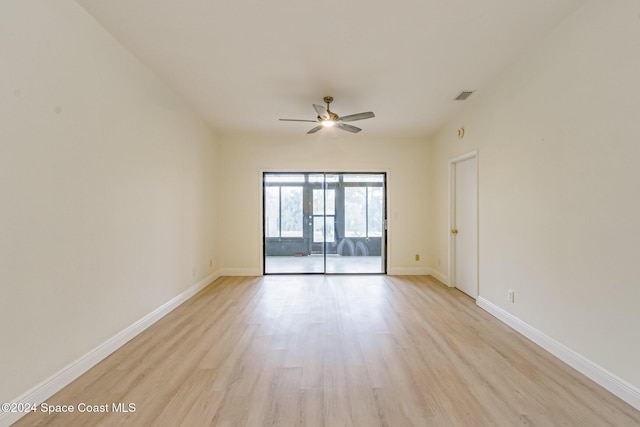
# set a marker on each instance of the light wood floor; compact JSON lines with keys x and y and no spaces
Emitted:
{"x":335,"y":351}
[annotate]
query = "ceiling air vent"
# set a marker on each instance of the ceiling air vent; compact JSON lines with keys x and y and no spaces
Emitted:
{"x":463,"y":95}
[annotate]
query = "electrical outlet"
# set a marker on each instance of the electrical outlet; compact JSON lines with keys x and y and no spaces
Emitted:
{"x":417,"y":257}
{"x":511,"y":295}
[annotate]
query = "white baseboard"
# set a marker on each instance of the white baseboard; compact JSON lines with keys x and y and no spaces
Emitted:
{"x":240,"y":272}
{"x":441,"y":277}
{"x":625,"y":391}
{"x":418,"y":271}
{"x":47,"y":388}
{"x":408,"y":271}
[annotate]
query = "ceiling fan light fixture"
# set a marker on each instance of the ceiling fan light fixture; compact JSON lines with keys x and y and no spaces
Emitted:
{"x":327,"y":118}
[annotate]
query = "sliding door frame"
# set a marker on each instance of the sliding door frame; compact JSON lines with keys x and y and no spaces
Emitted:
{"x":385,"y":209}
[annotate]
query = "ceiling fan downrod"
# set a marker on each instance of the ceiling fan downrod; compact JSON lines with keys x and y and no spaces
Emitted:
{"x":328,"y":100}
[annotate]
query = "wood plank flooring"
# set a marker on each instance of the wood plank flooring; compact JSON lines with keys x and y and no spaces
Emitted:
{"x":334,"y":351}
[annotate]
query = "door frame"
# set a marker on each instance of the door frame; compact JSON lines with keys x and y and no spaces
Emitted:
{"x":452,"y":218}
{"x":364,"y":171}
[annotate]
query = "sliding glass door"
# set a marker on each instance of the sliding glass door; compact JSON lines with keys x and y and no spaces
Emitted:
{"x":324,"y":223}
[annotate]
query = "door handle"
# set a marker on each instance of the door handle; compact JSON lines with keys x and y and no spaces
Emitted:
{"x":454,"y":231}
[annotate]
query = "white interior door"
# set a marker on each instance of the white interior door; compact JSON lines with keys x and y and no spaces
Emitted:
{"x":465,"y":226}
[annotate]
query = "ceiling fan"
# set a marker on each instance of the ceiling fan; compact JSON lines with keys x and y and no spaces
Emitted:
{"x":327,"y":118}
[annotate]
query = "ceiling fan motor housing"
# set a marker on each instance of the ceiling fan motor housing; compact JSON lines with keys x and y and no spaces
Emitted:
{"x":333,"y":117}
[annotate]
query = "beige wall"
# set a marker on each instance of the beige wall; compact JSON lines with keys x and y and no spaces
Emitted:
{"x":107,"y":191}
{"x":559,"y":195}
{"x":246,"y":157}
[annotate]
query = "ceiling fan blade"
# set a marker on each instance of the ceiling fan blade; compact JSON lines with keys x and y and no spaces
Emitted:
{"x":298,"y":120}
{"x":359,"y":116}
{"x":322,"y":111}
{"x":347,"y":127}
{"x":315,"y":129}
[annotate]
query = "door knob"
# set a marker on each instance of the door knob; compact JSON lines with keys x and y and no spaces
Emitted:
{"x":454,"y":231}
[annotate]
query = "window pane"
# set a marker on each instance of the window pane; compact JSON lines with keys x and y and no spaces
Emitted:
{"x":318,"y":202}
{"x":355,"y":216}
{"x":330,"y":222}
{"x":375,"y":211}
{"x":272,"y":211}
{"x":362,"y":178}
{"x":318,"y":229}
{"x":331,"y":202}
{"x":283,"y":178}
{"x":291,"y":211}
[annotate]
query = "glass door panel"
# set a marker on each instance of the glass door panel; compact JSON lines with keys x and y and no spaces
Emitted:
{"x":289,"y":230}
{"x":360,"y":218}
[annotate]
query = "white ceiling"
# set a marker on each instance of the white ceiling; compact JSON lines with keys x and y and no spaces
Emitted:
{"x":244,"y":64}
